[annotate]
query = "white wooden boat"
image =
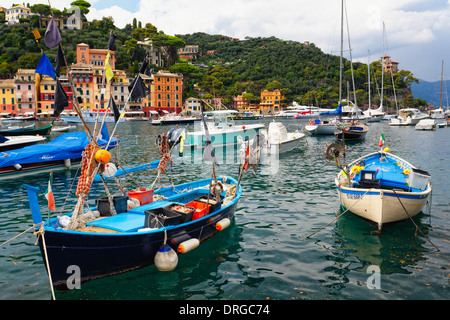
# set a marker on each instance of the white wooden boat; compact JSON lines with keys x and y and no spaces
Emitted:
{"x":383,"y":188}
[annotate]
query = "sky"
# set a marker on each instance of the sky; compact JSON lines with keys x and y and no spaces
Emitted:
{"x":416,"y":31}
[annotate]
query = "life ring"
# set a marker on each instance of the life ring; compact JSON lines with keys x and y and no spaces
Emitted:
{"x":311,"y":122}
{"x":213,"y":188}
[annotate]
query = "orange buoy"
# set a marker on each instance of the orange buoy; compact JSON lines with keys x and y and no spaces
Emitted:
{"x":102,"y":156}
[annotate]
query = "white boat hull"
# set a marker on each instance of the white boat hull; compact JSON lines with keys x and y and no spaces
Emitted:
{"x":382,"y":206}
{"x":221,"y":137}
{"x":285,"y":146}
{"x":320,"y":129}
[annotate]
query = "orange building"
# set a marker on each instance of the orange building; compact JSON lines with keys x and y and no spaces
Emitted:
{"x":166,"y":93}
{"x":95,"y":57}
{"x":271,"y":100}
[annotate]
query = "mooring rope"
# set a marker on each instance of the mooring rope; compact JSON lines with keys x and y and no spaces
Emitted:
{"x":410,"y":218}
{"x":337,"y":216}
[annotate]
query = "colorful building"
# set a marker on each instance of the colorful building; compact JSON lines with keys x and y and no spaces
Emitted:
{"x":166,"y":93}
{"x":389,"y":65}
{"x":271,"y":100}
{"x":189,"y":52}
{"x":7,"y":98}
{"x":15,"y":13}
{"x":94,"y":57}
{"x":25,"y":86}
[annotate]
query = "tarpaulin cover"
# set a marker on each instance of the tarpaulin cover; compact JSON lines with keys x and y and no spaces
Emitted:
{"x":66,"y":146}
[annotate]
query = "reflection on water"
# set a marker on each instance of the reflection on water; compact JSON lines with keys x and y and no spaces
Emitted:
{"x":264,"y":254}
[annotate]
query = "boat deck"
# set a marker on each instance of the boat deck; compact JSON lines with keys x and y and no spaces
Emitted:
{"x":134,"y":219}
{"x":389,"y":173}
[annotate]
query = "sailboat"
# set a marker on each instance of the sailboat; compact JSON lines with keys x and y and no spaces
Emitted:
{"x":439,"y":113}
{"x":375,"y":115}
{"x":352,"y":129}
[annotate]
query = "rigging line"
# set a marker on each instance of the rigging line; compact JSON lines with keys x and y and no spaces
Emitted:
{"x":413,"y":221}
{"x":337,"y":216}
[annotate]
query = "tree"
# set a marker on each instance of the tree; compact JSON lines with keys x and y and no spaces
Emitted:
{"x":83,"y":5}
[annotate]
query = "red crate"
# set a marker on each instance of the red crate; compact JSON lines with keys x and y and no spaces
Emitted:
{"x":201,"y":209}
{"x":143,"y":195}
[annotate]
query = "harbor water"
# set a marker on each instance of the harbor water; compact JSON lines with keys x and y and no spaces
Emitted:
{"x":266,"y":253}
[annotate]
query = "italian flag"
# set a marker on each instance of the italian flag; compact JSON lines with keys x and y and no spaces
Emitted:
{"x":50,"y":198}
{"x":382,"y":140}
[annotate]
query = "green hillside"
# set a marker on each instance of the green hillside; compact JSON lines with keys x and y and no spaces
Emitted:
{"x":302,"y":71}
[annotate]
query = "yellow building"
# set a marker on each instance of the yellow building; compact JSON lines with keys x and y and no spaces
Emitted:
{"x":13,"y":14}
{"x":271,"y":100}
{"x":7,"y":98}
{"x":46,"y":102}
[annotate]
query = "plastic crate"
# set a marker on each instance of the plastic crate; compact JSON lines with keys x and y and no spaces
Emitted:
{"x":201,"y":209}
{"x":120,"y":204}
{"x":159,"y":217}
{"x":185,"y":211}
{"x":143,"y":195}
{"x":212,"y":202}
{"x":419,"y":179}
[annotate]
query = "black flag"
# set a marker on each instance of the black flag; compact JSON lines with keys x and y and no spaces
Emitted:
{"x":61,"y":99}
{"x":112,"y":42}
{"x":59,"y":61}
{"x":143,"y":67}
{"x":112,"y":106}
{"x":138,"y":88}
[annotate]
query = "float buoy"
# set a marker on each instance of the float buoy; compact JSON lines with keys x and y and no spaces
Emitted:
{"x":188,"y":245}
{"x":166,"y":259}
{"x":110,"y":170}
{"x":222,"y":224}
{"x":102,"y":156}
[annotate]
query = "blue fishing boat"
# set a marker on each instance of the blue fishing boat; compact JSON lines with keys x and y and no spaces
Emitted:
{"x":382,"y":187}
{"x":136,"y":237}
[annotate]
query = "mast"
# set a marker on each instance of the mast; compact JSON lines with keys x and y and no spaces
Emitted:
{"x":342,"y":45}
{"x":368,"y":74}
{"x":382,"y":70}
{"x":442,"y":79}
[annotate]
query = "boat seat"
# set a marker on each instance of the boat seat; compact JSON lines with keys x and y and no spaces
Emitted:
{"x":122,"y":222}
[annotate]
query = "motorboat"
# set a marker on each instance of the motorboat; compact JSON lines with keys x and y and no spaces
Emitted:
{"x":90,"y":116}
{"x":222,"y":130}
{"x":382,"y":187}
{"x":174,"y":119}
{"x":426,"y":124}
{"x":17,"y":142}
{"x":351,"y":112}
{"x":277,"y":140}
{"x":319,"y":127}
{"x":408,"y":117}
{"x":437,"y":114}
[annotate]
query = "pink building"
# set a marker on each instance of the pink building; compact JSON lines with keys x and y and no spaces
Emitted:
{"x":25,"y":93}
